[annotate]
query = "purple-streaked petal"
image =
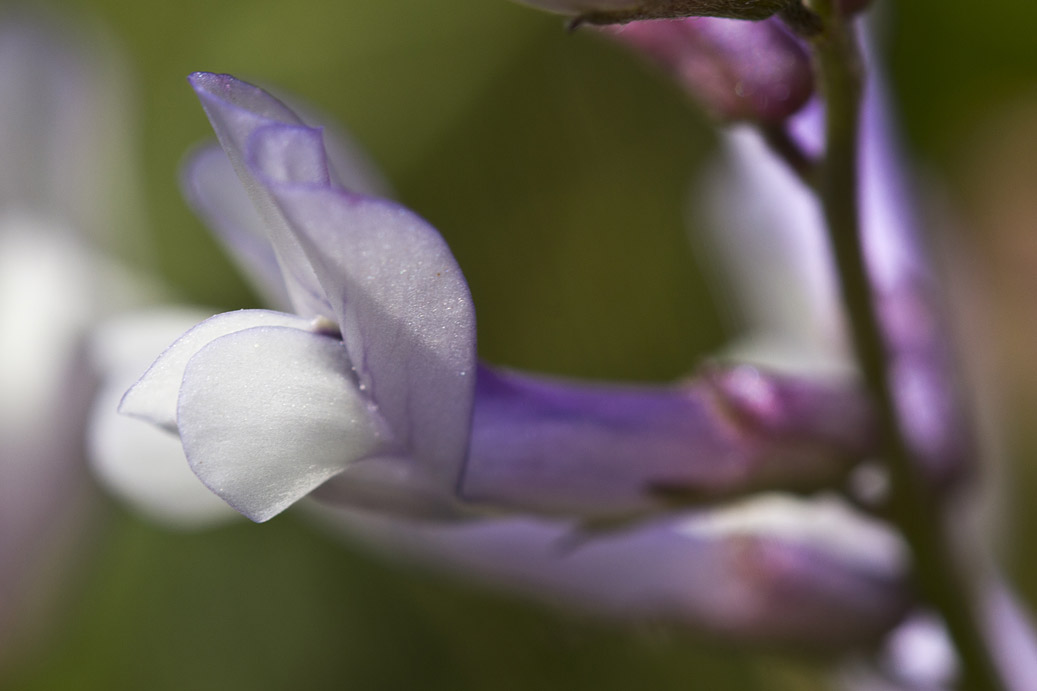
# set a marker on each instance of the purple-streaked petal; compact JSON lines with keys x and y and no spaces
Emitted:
{"x":588,"y":450}
{"x":763,"y":574}
{"x":269,"y":413}
{"x":236,"y":110}
{"x":139,"y":462}
{"x":399,"y":296}
{"x":735,"y":69}
{"x":216,"y":193}
{"x":154,"y":396}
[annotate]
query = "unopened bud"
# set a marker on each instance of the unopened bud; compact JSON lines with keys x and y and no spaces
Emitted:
{"x":736,"y":70}
{"x":622,"y":11}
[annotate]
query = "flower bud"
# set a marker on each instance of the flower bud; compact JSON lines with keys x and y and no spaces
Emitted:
{"x":622,"y":11}
{"x":736,"y":70}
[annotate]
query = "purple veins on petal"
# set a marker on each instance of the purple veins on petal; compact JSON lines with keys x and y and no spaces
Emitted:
{"x":580,"y":449}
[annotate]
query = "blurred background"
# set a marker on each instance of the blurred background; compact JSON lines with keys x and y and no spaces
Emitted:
{"x":558,"y":167}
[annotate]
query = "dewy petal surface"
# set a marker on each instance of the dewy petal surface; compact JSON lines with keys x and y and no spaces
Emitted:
{"x":269,"y":413}
{"x":154,"y":396}
{"x":399,"y":296}
{"x":236,"y":110}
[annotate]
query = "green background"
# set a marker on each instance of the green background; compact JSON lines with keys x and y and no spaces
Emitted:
{"x":558,"y":169}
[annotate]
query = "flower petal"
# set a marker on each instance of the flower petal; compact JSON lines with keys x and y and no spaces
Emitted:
{"x":236,"y":110}
{"x":399,"y":296}
{"x":767,"y":236}
{"x":142,"y":464}
{"x":216,"y":193}
{"x":600,"y":451}
{"x":737,"y":70}
{"x":269,"y":413}
{"x":729,"y":572}
{"x":154,"y":396}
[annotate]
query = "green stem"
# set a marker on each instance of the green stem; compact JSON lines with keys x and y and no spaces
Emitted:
{"x":942,"y":577}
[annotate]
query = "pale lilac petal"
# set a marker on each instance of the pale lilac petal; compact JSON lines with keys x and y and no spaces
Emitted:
{"x":399,"y":296}
{"x":744,"y":573}
{"x":154,"y":396}
{"x":216,"y":193}
{"x":924,"y":373}
{"x":594,"y":450}
{"x":236,"y":110}
{"x":141,"y":463}
{"x":269,"y":413}
{"x":1010,"y":632}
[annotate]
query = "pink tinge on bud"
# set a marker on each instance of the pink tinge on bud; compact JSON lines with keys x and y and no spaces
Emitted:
{"x":737,"y":70}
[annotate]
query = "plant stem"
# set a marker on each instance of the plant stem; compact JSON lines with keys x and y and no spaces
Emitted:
{"x":942,"y":577}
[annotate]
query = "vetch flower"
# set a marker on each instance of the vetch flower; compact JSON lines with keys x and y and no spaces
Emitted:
{"x":272,"y":406}
{"x":373,"y":375}
{"x":368,"y":391}
{"x":63,"y":175}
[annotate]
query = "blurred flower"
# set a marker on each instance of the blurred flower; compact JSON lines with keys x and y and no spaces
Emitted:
{"x":736,"y":70}
{"x":63,"y":178}
{"x":768,"y":232}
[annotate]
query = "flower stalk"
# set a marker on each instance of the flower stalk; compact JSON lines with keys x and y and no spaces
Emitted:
{"x":915,"y":506}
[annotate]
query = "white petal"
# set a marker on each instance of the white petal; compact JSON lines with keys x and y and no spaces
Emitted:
{"x":47,"y":297}
{"x":268,"y":414}
{"x":146,"y":466}
{"x":140,"y":463}
{"x":767,"y":235}
{"x":154,"y":396}
{"x":406,"y":316}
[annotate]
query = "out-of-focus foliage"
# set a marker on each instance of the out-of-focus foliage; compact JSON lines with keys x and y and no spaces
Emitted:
{"x":557,"y":167}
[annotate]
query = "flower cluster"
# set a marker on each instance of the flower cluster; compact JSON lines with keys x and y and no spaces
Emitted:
{"x":720,"y":501}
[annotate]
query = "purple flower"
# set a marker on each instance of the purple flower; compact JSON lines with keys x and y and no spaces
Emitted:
{"x":370,"y":398}
{"x":368,"y":390}
{"x":62,"y":143}
{"x":373,"y":374}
